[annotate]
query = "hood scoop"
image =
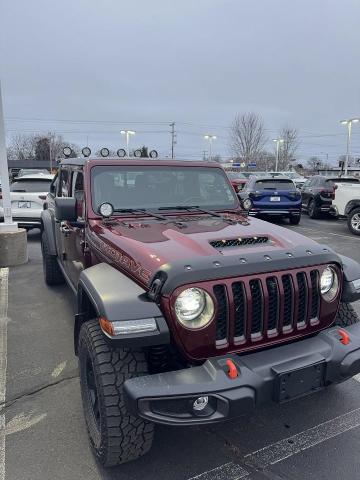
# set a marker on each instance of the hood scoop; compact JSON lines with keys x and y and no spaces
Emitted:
{"x":238,"y":242}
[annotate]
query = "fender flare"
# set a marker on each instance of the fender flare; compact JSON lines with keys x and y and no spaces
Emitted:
{"x":117,"y":298}
{"x":48,"y":228}
{"x":351,"y":287}
{"x":351,"y":205}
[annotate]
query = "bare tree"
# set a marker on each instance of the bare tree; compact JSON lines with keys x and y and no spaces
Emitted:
{"x":313,"y":164}
{"x":22,"y":147}
{"x":288,"y":147}
{"x":247,"y":136}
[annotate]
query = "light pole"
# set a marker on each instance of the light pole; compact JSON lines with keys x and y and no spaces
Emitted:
{"x":127,"y":133}
{"x":210,"y":138}
{"x":349,"y":127}
{"x":278,"y":141}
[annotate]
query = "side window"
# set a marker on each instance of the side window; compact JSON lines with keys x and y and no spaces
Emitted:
{"x":77,"y":191}
{"x":64,"y":183}
{"x":54,"y":185}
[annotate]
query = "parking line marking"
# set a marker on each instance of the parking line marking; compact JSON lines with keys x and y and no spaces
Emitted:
{"x":22,"y":422}
{"x":290,"y":446}
{"x":325,"y":233}
{"x":228,"y":471}
{"x":357,"y":377}
{"x":57,"y":370}
{"x":4,"y":276}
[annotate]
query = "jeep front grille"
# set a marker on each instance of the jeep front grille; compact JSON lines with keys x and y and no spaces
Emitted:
{"x":251,"y":309}
{"x":238,"y":242}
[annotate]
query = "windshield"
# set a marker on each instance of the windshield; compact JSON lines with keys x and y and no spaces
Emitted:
{"x":292,"y":175}
{"x":236,"y":175}
{"x":30,"y":186}
{"x":275,"y":184}
{"x":138,"y":187}
{"x":32,"y":171}
{"x":343,"y":180}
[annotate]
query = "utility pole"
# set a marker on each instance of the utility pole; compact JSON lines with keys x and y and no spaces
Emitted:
{"x":173,"y":141}
{"x":348,"y":123}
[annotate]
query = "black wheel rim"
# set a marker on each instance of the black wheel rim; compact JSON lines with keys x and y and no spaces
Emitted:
{"x":92,"y":392}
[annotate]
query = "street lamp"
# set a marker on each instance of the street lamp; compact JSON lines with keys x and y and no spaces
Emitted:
{"x":127,"y":133}
{"x":210,"y":138}
{"x":278,"y":141}
{"x":349,"y":126}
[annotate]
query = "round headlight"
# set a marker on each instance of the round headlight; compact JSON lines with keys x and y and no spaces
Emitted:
{"x":247,"y":204}
{"x":106,"y":209}
{"x":329,"y":284}
{"x":194,"y":308}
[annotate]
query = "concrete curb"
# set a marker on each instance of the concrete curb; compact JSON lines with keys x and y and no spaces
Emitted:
{"x":13,"y":248}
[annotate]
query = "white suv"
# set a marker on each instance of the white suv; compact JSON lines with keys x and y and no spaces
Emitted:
{"x":28,"y":194}
{"x":347,"y":201}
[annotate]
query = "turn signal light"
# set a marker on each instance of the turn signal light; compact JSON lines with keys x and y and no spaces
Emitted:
{"x":345,"y":339}
{"x":232,"y":372}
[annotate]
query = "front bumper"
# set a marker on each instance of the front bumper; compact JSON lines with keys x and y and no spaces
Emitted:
{"x":275,"y":375}
{"x":276,"y":212}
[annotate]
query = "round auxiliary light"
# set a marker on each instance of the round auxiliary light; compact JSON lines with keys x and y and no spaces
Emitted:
{"x":153,"y":154}
{"x":104,"y":152}
{"x":247,"y":204}
{"x":194,"y":308}
{"x":137,"y":153}
{"x":200,"y":403}
{"x":106,"y":209}
{"x":329,"y":284}
{"x":86,"y":151}
{"x":121,"y":153}
{"x":67,"y":151}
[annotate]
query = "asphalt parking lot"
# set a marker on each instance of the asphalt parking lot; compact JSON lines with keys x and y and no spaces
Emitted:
{"x":317,"y":437}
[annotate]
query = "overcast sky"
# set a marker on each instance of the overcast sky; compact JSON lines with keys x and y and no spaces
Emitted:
{"x":195,"y":62}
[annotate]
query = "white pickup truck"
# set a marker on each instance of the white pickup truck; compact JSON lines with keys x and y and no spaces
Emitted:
{"x":347,"y":202}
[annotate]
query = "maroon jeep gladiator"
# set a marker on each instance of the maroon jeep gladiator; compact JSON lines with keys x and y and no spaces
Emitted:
{"x":188,"y":311}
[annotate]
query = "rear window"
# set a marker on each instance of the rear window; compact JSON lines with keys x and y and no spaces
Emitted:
{"x":31,"y":186}
{"x":275,"y":184}
{"x":342,"y":180}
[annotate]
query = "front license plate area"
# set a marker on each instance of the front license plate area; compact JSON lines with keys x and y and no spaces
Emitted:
{"x":22,"y":204}
{"x":274,"y":199}
{"x":297,"y":383}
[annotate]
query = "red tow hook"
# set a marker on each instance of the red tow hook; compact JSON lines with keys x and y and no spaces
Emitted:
{"x":232,"y":373}
{"x":345,"y":339}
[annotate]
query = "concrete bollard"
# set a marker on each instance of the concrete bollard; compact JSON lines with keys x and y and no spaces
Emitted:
{"x":13,"y":247}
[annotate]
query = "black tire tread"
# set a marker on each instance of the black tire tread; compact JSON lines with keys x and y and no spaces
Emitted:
{"x":295,"y":220}
{"x":314,"y":214}
{"x":52,"y":273}
{"x":346,"y":315}
{"x":123,"y":437}
{"x":354,"y":211}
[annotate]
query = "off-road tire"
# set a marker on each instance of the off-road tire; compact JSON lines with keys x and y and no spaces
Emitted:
{"x":350,"y":216}
{"x":295,"y":220}
{"x":346,"y":315}
{"x":312,"y":210}
{"x":115,"y":435}
{"x":52,"y":273}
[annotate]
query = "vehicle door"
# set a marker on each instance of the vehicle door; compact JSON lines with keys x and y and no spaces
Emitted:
{"x":61,"y":227}
{"x":306,"y":191}
{"x":74,"y":232}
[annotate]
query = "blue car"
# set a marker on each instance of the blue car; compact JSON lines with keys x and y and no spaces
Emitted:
{"x":272,"y":196}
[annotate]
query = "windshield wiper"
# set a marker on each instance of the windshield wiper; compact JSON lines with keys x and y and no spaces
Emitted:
{"x":148,"y":212}
{"x":190,"y":208}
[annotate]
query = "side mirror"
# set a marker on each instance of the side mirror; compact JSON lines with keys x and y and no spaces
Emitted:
{"x":65,"y":209}
{"x":336,"y":186}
